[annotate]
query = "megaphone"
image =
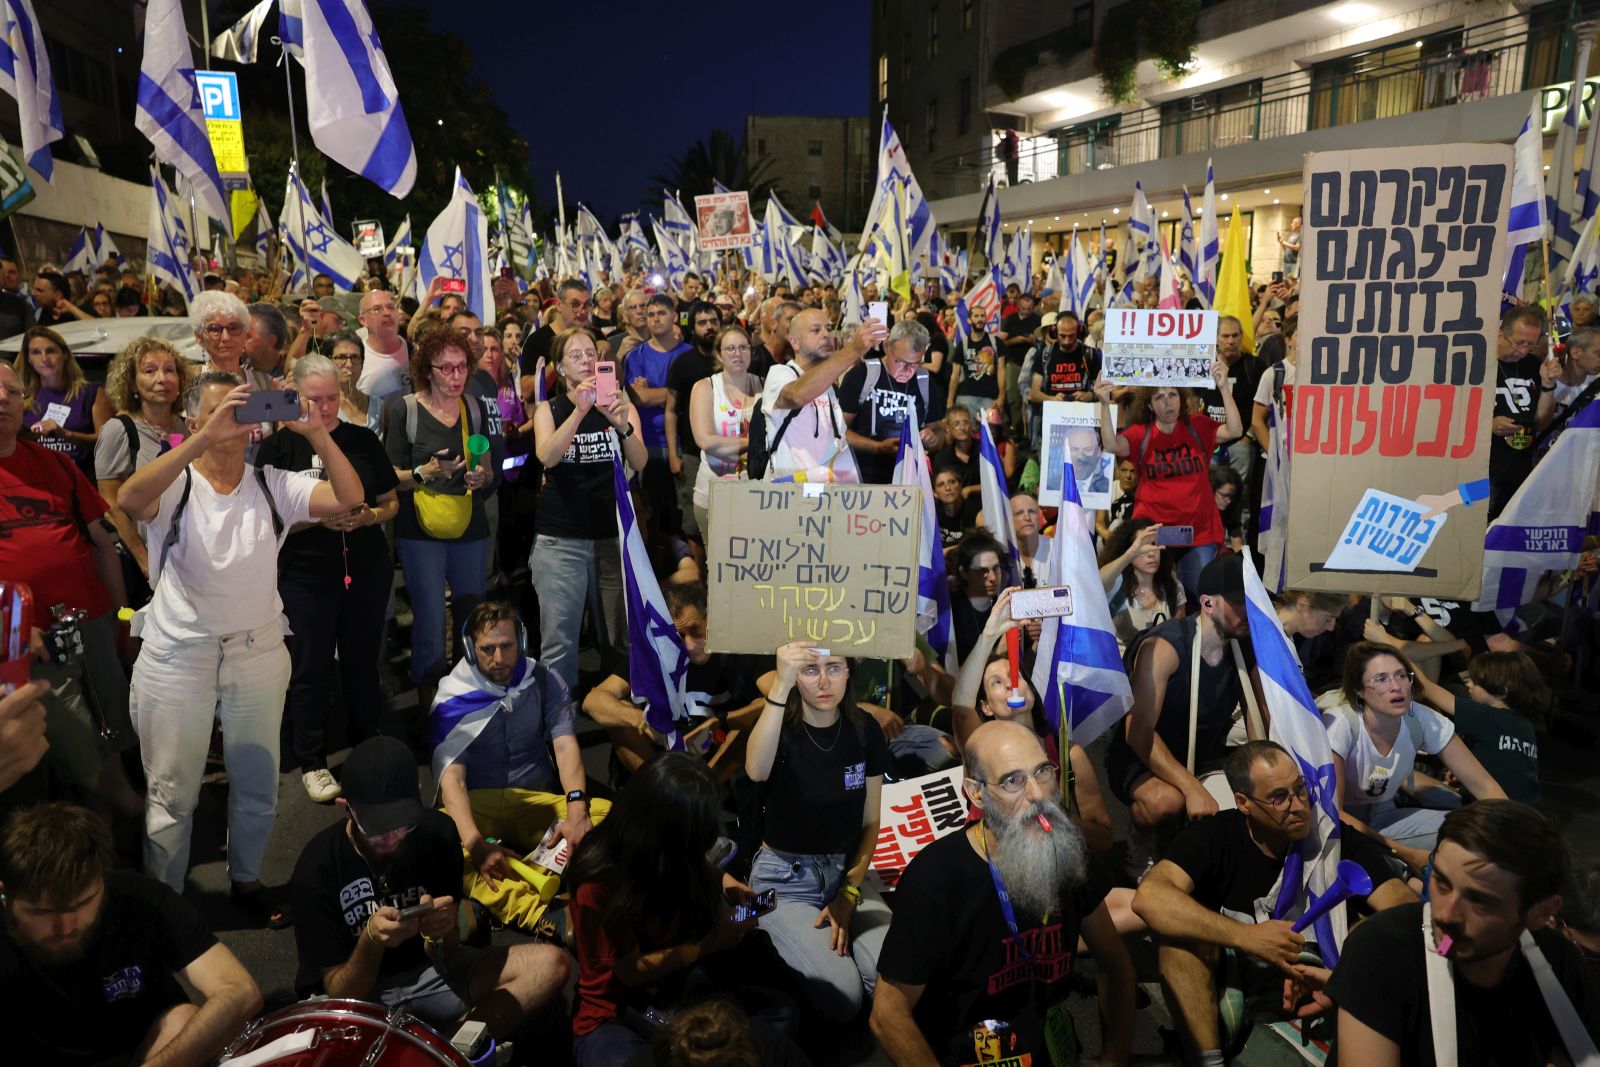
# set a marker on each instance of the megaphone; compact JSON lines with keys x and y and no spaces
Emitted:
{"x":1349,"y":881}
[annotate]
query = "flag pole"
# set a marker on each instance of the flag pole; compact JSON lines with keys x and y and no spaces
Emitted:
{"x":294,"y":148}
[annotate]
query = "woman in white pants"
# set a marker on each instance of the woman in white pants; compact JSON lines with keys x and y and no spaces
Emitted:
{"x":213,"y":632}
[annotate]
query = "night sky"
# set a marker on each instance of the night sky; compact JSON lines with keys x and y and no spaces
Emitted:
{"x":606,"y":92}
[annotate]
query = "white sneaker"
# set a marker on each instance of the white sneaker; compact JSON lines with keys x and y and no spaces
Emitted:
{"x":320,"y":785}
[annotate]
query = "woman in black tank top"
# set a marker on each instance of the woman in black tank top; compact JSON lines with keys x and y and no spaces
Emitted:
{"x":576,"y":529}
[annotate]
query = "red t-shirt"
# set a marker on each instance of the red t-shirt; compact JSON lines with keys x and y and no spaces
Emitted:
{"x":1175,"y":477}
{"x":600,"y":992}
{"x":41,"y":540}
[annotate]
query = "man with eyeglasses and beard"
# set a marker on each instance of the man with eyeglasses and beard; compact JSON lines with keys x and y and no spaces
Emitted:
{"x":376,"y":905}
{"x":1216,"y":887}
{"x":987,"y":921}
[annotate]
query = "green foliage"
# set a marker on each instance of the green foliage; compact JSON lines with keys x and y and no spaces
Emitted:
{"x":1168,"y":29}
{"x":1116,"y":58}
{"x":719,"y":157}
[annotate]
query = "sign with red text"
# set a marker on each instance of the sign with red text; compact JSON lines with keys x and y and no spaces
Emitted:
{"x":834,"y":564}
{"x":1160,"y":347}
{"x":913,"y":815}
{"x":723,"y":221}
{"x":1400,"y":277}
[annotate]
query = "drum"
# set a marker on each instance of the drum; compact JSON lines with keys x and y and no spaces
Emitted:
{"x":326,"y":1032}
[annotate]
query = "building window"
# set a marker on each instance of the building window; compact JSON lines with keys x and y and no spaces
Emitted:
{"x":964,"y":107}
{"x":814,"y":193}
{"x":933,"y":30}
{"x":1386,"y":82}
{"x":931,"y":118}
{"x":761,"y":146}
{"x":814,"y":147}
{"x":1087,"y":146}
{"x":1217,"y":119}
{"x":1082,"y":29}
{"x":967,"y":14}
{"x":883,"y":77}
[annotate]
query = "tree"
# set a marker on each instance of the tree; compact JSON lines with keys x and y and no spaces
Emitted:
{"x":720,"y":157}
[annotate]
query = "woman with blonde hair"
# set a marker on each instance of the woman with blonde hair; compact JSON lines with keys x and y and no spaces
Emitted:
{"x":63,"y":408}
{"x":719,"y":414}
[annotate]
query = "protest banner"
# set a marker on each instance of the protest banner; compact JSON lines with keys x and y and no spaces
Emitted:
{"x":1074,"y":428}
{"x":913,"y":815}
{"x":834,"y":564}
{"x":368,"y":235}
{"x":723,"y":220}
{"x":1160,"y":347}
{"x":1399,"y":307}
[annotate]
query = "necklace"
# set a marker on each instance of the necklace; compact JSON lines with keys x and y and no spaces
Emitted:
{"x":837,"y":725}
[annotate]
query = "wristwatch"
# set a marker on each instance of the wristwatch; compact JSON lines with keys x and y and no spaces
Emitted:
{"x":626,"y":432}
{"x":577,"y":795}
{"x":851,"y":892}
{"x":416,"y":475}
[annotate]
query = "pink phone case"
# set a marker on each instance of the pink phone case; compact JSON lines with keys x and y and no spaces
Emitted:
{"x":605,"y":383}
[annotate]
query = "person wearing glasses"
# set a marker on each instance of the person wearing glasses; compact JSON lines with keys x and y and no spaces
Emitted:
{"x":573,"y":307}
{"x":1377,"y":735}
{"x":719,"y":413}
{"x":980,"y":575}
{"x":1520,"y":351}
{"x":346,"y":351}
{"x":978,"y":962}
{"x":220,"y":322}
{"x":876,"y":394}
{"x":385,"y":359}
{"x":1215,"y":889}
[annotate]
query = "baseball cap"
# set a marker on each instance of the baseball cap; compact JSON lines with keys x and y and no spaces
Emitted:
{"x":379,"y":780}
{"x":1048,"y":320}
{"x":1224,"y":577}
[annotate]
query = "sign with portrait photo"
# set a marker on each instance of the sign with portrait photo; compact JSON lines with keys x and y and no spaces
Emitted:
{"x":723,"y":220}
{"x":1072,"y":430}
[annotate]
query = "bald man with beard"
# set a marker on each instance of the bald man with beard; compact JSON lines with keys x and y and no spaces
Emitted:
{"x":987,"y":921}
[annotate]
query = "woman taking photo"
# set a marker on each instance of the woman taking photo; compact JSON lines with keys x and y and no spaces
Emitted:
{"x":333,"y":577}
{"x":440,"y":529}
{"x":719,"y":415}
{"x":1141,"y":587}
{"x":348,"y":353}
{"x":822,"y":759}
{"x":63,"y":409}
{"x":1173,"y":449}
{"x":575,"y":542}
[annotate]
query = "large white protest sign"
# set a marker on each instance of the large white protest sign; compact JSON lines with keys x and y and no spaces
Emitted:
{"x":1159,"y":347}
{"x":723,"y":221}
{"x":915,"y":814}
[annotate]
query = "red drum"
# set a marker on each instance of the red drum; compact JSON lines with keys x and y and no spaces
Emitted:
{"x":325,"y":1032}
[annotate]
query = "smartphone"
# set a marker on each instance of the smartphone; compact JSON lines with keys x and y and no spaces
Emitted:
{"x":1277,"y":277}
{"x":1175,"y":535}
{"x":721,"y":852}
{"x":269,"y":405}
{"x":879,"y":309}
{"x":511,"y":463}
{"x":416,"y":911}
{"x":1048,"y":602}
{"x":453,"y":285}
{"x":763,"y":903}
{"x":605,"y":383}
{"x":505,"y":272}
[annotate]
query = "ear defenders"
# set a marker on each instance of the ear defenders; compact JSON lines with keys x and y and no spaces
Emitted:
{"x":472,"y":649}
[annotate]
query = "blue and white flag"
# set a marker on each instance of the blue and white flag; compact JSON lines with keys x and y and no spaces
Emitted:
{"x":327,"y":204}
{"x":263,"y":230}
{"x":1080,"y":281}
{"x":401,"y":240}
{"x":1205,"y":285}
{"x":853,"y":310}
{"x":317,"y":246}
{"x":167,"y":253}
{"x":1142,"y":227}
{"x":1017,"y":266}
{"x":677,"y":223}
{"x":894,"y":176}
{"x":933,"y":589}
{"x":457,"y":246}
{"x":784,"y":215}
{"x":292,"y":28}
{"x":25,"y":75}
{"x":352,"y":102}
{"x":1543,"y":525}
{"x":834,"y":236}
{"x":827,"y":260}
{"x":632,"y":237}
{"x":989,"y":224}
{"x":237,"y":43}
{"x":169,"y":111}
{"x":1078,"y":669}
{"x":787,"y":255}
{"x":674,"y":261}
{"x":1526,"y":222}
{"x":1589,"y":177}
{"x":465,"y":702}
{"x":1583,"y":269}
{"x":1296,"y":724}
{"x":658,"y":662}
{"x":995,"y":497}
{"x":1188,"y":248}
{"x":1273,"y":517}
{"x":1056,"y":278}
{"x":81,"y":258}
{"x":1561,"y":196}
{"x":105,"y":249}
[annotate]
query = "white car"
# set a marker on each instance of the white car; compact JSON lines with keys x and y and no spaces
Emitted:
{"x":95,"y":341}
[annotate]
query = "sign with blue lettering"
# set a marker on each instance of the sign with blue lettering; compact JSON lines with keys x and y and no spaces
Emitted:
{"x":219,"y":94}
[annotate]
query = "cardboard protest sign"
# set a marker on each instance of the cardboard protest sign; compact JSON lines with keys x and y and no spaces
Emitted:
{"x":834,"y":564}
{"x":915,"y":814}
{"x":1159,"y":347}
{"x":1072,"y":428}
{"x":1400,"y":278}
{"x":723,"y":220}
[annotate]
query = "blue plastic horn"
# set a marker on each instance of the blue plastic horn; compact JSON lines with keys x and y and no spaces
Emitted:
{"x":1350,"y":881}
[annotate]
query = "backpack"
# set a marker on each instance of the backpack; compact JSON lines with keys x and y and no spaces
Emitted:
{"x":175,"y":529}
{"x":758,"y":455}
{"x":869,"y":384}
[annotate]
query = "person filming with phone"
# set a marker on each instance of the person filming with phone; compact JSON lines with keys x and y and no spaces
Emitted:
{"x":213,"y":630}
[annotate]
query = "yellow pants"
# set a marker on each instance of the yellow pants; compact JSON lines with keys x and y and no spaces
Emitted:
{"x":519,"y":818}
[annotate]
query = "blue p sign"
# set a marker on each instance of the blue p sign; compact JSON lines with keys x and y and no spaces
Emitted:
{"x":219,"y":93}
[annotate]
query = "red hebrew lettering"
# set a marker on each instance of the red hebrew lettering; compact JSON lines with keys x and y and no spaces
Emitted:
{"x":1469,"y":441}
{"x":1192,"y":322}
{"x":1398,"y":424}
{"x":1307,"y":421}
{"x":1340,"y":415}
{"x":1368,"y":417}
{"x":1445,"y":395}
{"x":1166,"y":324}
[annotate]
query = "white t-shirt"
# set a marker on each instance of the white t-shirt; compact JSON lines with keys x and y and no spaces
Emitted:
{"x":383,"y":375}
{"x":222,"y":575}
{"x":1264,"y":390}
{"x":815,"y":438}
{"x":1373,"y":779}
{"x":1566,"y":394}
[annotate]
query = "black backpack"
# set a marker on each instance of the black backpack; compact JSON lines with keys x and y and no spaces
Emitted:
{"x":758,"y":455}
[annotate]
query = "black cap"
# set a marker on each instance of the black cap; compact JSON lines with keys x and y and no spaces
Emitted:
{"x":1224,"y":577}
{"x":379,"y":781}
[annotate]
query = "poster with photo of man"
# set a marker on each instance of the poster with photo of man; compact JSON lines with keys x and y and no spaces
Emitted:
{"x":1072,"y":430}
{"x":723,"y":221}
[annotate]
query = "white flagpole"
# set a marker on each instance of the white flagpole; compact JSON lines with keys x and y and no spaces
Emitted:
{"x":294,"y":151}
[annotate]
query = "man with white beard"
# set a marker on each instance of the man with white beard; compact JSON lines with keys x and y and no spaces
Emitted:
{"x":986,"y":925}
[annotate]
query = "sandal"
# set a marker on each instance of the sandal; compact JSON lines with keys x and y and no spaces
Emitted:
{"x":260,"y":904}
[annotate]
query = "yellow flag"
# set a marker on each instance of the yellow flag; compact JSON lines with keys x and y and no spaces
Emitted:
{"x":243,"y":208}
{"x":1233,"y":281}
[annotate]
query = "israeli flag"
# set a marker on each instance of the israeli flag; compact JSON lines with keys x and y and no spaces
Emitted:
{"x":352,"y":102}
{"x":1078,"y":669}
{"x":632,"y":236}
{"x":292,"y":28}
{"x":1273,"y":517}
{"x":1082,"y":285}
{"x":1589,"y":177}
{"x":105,"y":249}
{"x":1017,"y":267}
{"x":263,"y":230}
{"x":1188,"y":250}
{"x":1142,"y":225}
{"x":237,"y":44}
{"x":81,"y":258}
{"x":1526,"y":222}
{"x":1296,"y":724}
{"x":674,"y":261}
{"x":457,"y":246}
{"x":25,"y":75}
{"x":1057,"y":277}
{"x":1561,"y":196}
{"x":465,"y":702}
{"x":677,"y":223}
{"x":895,"y":177}
{"x":995,"y":496}
{"x":1583,"y":269}
{"x":1543,"y":526}
{"x":169,"y":111}
{"x":327,"y":205}
{"x":784,"y":215}
{"x":316,"y":245}
{"x":169,"y":245}
{"x":658,"y":663}
{"x":790,"y":257}
{"x":834,"y":236}
{"x":1205,"y":283}
{"x":933,"y":590}
{"x":401,"y":240}
{"x":826,"y":259}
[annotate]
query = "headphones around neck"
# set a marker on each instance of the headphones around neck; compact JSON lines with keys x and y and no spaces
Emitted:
{"x":472,"y":649}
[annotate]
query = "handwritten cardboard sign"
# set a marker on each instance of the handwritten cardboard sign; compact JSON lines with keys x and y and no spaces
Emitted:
{"x":1386,"y":533}
{"x":834,"y":564}
{"x":1146,"y":346}
{"x":1404,"y":253}
{"x":723,"y":221}
{"x":915,"y":814}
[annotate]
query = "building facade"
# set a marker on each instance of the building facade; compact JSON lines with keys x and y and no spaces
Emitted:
{"x":817,"y":159}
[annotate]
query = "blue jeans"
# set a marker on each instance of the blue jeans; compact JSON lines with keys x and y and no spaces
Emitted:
{"x":428,"y":565}
{"x":1190,"y":564}
{"x":833,"y":985}
{"x":564,"y":569}
{"x":925,"y":744}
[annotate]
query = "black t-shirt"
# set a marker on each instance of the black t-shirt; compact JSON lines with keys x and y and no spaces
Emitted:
{"x":1506,"y":745}
{"x":1220,"y":693}
{"x":318,"y":555}
{"x":950,"y":936}
{"x":815,"y":798}
{"x":1516,"y":396}
{"x":968,"y":467}
{"x":724,"y":682}
{"x":1244,"y":377}
{"x":979,"y":365}
{"x":1068,"y":370}
{"x":760,"y":359}
{"x":690,"y":367}
{"x":1022,"y":328}
{"x":880,"y":414}
{"x":952,"y":528}
{"x":536,"y":346}
{"x":102,"y":1005}
{"x":1232,"y":875}
{"x":334,"y":891}
{"x":579,"y":498}
{"x":1382,"y":982}
{"x":434,"y":437}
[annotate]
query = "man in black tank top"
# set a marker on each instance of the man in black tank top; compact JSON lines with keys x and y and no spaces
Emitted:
{"x":1148,"y":762}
